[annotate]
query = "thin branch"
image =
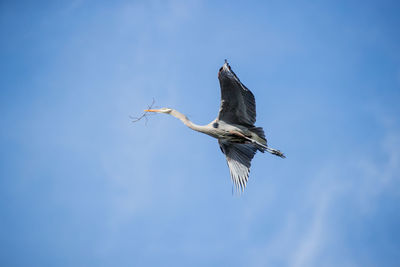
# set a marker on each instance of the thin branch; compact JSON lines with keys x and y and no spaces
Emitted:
{"x":144,"y":115}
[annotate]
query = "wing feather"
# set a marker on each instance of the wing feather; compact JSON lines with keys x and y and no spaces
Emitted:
{"x":238,"y":157}
{"x":238,"y":105}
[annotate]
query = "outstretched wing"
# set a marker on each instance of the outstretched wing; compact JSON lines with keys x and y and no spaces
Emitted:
{"x":237,"y":102}
{"x":238,"y":157}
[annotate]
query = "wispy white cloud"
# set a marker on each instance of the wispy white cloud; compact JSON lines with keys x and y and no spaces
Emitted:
{"x":358,"y":184}
{"x":309,"y":235}
{"x":311,"y":241}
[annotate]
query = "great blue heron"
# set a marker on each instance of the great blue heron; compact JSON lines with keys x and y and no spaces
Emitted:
{"x":234,"y":127}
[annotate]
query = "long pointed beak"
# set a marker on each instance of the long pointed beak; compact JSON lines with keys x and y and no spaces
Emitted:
{"x":151,"y":110}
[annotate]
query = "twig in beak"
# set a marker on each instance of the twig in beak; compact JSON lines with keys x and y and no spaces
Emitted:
{"x":144,"y":115}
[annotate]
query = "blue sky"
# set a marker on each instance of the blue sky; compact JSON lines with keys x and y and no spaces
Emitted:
{"x":81,"y":185}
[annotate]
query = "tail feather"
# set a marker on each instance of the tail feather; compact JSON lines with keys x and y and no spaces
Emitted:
{"x":259,"y":131}
{"x":263,"y":148}
{"x":276,"y":152}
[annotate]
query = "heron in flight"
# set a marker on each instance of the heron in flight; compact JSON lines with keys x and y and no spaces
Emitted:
{"x":234,"y":127}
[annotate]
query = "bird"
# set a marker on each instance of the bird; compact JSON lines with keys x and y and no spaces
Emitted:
{"x":238,"y":138}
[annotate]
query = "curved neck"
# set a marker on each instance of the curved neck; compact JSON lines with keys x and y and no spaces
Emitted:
{"x":187,"y":122}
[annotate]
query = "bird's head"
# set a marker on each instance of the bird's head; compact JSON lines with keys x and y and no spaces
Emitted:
{"x":161,"y":110}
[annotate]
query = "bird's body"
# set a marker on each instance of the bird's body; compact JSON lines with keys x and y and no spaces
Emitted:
{"x":234,"y":127}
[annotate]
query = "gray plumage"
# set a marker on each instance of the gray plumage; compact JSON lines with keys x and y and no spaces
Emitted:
{"x":234,"y":127}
